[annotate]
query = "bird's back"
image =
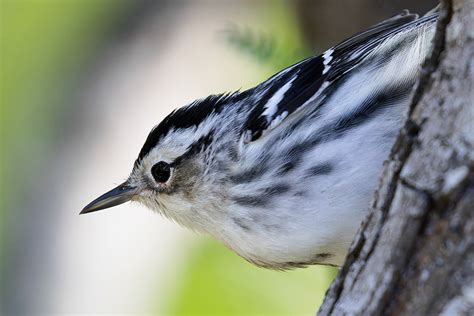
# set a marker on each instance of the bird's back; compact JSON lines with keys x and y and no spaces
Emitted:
{"x":314,"y":143}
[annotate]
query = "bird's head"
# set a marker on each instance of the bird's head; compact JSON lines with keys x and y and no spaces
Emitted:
{"x":182,"y":169}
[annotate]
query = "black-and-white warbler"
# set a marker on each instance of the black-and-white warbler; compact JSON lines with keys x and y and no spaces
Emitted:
{"x":283,"y":173}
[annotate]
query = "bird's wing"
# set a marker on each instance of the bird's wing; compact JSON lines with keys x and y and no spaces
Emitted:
{"x":298,"y":85}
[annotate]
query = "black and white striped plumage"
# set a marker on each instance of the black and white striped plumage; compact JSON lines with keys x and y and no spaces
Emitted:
{"x":283,"y":173}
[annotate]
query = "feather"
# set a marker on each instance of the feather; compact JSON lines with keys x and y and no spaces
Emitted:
{"x":293,"y":87}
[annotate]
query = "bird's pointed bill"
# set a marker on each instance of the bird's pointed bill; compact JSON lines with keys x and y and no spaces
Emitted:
{"x":119,"y":195}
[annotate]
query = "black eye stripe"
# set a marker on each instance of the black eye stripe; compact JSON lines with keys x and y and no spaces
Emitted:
{"x":161,"y":171}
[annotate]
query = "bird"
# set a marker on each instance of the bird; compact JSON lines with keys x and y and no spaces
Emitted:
{"x":283,"y":173}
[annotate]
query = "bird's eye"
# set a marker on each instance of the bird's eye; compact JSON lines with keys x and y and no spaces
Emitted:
{"x":161,"y":172}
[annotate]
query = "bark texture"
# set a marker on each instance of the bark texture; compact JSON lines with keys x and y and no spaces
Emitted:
{"x":414,"y":254}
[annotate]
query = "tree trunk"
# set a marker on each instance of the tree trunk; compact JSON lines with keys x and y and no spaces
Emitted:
{"x":414,"y":254}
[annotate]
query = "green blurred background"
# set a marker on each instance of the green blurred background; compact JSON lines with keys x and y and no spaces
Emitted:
{"x":82,"y":83}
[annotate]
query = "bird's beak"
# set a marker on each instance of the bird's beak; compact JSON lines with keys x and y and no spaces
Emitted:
{"x":121,"y":194}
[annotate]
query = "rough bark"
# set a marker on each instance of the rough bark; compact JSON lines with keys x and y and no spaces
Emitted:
{"x":414,"y":254}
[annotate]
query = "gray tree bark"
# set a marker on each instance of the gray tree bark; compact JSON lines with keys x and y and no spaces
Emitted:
{"x":414,"y":254}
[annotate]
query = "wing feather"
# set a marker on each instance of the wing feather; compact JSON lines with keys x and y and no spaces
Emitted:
{"x":295,"y":86}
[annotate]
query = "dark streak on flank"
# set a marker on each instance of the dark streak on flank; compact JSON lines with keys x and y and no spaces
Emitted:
{"x":240,"y":222}
{"x":323,"y":256}
{"x":289,"y":165}
{"x":298,"y":150}
{"x":251,"y":200}
{"x":277,"y":189}
{"x":285,"y":168}
{"x":300,"y":193}
{"x":262,"y":199}
{"x":319,"y":170}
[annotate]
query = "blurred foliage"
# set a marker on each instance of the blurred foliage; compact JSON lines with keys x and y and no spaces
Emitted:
{"x":279,"y":45}
{"x":258,"y":45}
{"x":46,"y":48}
{"x":218,"y":282}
